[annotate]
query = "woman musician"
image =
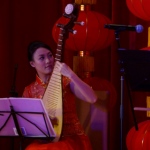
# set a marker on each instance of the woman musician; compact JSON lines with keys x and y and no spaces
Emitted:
{"x":73,"y":136}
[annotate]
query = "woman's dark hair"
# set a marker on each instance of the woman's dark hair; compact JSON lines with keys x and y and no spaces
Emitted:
{"x":34,"y":46}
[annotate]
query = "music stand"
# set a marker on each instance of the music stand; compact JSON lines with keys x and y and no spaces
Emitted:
{"x":25,"y":118}
{"x":136,"y":64}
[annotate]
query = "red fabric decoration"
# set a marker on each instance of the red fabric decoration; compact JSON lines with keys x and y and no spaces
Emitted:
{"x":139,"y":140}
{"x":140,"y":8}
{"x":90,"y":37}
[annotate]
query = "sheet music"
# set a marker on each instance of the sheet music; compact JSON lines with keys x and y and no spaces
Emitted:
{"x":31,"y":115}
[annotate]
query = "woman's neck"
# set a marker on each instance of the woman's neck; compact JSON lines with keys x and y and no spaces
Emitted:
{"x":44,"y":78}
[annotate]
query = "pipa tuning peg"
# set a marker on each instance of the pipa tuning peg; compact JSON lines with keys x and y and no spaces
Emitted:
{"x":80,"y":23}
{"x":73,"y":31}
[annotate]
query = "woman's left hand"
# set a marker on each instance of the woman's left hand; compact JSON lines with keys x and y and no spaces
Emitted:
{"x":64,"y":69}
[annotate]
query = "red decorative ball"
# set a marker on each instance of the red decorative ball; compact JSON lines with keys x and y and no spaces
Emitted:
{"x":139,"y":139}
{"x":140,"y":8}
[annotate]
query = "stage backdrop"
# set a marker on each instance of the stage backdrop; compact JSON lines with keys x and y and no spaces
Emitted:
{"x":24,"y":21}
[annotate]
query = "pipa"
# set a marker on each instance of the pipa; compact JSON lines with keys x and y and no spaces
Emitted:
{"x":52,"y":97}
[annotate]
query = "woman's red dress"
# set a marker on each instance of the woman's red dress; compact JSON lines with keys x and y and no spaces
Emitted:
{"x":73,"y":136}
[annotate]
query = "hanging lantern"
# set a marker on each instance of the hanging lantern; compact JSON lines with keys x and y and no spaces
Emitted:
{"x":92,"y":36}
{"x":139,"y":139}
{"x":140,"y":8}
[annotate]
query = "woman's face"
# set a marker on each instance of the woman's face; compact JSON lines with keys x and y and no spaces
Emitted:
{"x":43,"y":61}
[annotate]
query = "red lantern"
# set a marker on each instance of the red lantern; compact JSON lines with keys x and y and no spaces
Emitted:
{"x":99,"y":84}
{"x":139,"y":140}
{"x":90,"y":37}
{"x":140,"y":8}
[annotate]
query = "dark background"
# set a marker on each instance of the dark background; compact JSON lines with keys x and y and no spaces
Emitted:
{"x":27,"y":20}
